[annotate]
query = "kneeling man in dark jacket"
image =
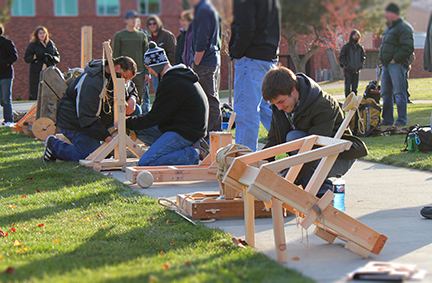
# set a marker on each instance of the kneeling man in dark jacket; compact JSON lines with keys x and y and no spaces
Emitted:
{"x":301,"y":108}
{"x":178,"y":118}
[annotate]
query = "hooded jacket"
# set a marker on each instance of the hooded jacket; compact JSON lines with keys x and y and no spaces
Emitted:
{"x":427,"y":57}
{"x":180,"y":106}
{"x":255,"y":31}
{"x":352,"y":56}
{"x":164,"y":39}
{"x":397,"y":43}
{"x":80,"y":107}
{"x":8,"y":56}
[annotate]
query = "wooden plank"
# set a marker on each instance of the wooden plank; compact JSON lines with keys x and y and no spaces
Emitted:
{"x":345,"y":123}
{"x":295,"y":170}
{"x":260,"y":194}
{"x":249,"y":174}
{"x":218,"y":140}
{"x":121,"y":119}
{"x":249,"y":217}
{"x":312,"y":215}
{"x":134,"y":147}
{"x":320,"y":174}
{"x":39,"y":100}
{"x":357,"y":249}
{"x":302,"y":201}
{"x":379,"y":245}
{"x":55,"y":82}
{"x":86,"y":45}
{"x":19,"y":124}
{"x":48,"y":102}
{"x":279,"y":231}
{"x":325,"y":235}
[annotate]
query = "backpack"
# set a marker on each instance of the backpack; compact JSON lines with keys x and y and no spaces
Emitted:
{"x":370,"y":114}
{"x":422,"y":136}
{"x":226,"y":113}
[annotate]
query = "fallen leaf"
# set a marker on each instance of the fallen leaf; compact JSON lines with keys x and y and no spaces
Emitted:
{"x":172,"y":243}
{"x":295,"y":258}
{"x":30,"y":179}
{"x":162,"y":253}
{"x":237,"y":243}
{"x":56,"y":240}
{"x":1,"y":256}
{"x":100,"y":214}
{"x":187,"y":262}
{"x":23,"y":196}
{"x":85,"y":219}
{"x":39,"y":191}
{"x":151,"y":218}
{"x":17,"y":243}
{"x":21,"y":189}
{"x":165,"y":266}
{"x":109,"y":174}
{"x":13,"y":229}
{"x":11,"y":206}
{"x":21,"y":250}
{"x":9,"y":270}
{"x":40,"y":225}
{"x":2,"y":234}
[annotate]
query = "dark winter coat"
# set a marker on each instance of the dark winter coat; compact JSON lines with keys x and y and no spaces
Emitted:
{"x":8,"y":56}
{"x":255,"y":31}
{"x":397,"y":43}
{"x":80,"y":108}
{"x":427,"y":57}
{"x":164,"y":39}
{"x":44,"y":55}
{"x":318,"y":114}
{"x":352,"y":57}
{"x":180,"y":106}
{"x":180,"y":47}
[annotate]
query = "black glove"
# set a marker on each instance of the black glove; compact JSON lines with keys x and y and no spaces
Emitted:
{"x":48,"y":58}
{"x":40,"y":56}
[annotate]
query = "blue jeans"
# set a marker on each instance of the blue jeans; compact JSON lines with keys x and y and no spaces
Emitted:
{"x":145,"y":104}
{"x":149,"y":136}
{"x":248,"y":102}
{"x":394,"y":86}
{"x":351,"y":82}
{"x":155,"y":83}
{"x":82,"y":146}
{"x":6,"y":99}
{"x":170,"y":149}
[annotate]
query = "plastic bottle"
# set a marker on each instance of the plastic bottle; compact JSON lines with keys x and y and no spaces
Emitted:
{"x":339,"y":192}
{"x":412,"y":142}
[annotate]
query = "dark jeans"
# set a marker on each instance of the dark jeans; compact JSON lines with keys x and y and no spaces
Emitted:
{"x":207,"y":80}
{"x":143,"y":92}
{"x":6,"y":98}
{"x":81,"y":147}
{"x":351,"y":82}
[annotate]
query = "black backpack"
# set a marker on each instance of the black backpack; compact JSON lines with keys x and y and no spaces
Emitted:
{"x":422,"y":136}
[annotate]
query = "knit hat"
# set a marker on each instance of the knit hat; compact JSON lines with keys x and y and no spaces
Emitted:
{"x":155,"y":57}
{"x":392,"y":7}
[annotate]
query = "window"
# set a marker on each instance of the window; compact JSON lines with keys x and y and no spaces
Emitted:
{"x":65,"y":7}
{"x":23,"y":8}
{"x":108,"y":7}
{"x":149,"y":7}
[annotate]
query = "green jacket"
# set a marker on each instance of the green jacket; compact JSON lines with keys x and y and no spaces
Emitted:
{"x":133,"y":44}
{"x":318,"y":113}
{"x":397,"y":43}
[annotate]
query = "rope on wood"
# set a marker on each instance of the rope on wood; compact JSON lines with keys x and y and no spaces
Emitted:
{"x":223,"y":153}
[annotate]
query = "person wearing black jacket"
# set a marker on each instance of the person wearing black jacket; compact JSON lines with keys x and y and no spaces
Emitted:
{"x":8,"y":56}
{"x":84,"y":113}
{"x":352,"y":58}
{"x":178,"y":119}
{"x":186,"y":18}
{"x":254,"y":45}
{"x":41,"y":51}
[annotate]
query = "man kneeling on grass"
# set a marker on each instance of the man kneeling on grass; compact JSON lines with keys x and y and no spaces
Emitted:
{"x":301,"y":108}
{"x":177,"y":121}
{"x":85,"y":111}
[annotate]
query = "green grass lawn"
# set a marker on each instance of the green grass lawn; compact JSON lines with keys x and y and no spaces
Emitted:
{"x":67,"y":223}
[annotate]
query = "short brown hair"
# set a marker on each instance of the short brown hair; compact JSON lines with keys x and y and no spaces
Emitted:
{"x":126,"y":63}
{"x":278,"y":81}
{"x":34,"y":36}
{"x":186,"y":15}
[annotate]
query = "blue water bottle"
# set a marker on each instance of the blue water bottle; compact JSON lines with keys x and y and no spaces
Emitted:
{"x":339,"y":192}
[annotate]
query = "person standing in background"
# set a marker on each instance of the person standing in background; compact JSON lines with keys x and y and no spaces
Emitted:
{"x":254,"y":45}
{"x":205,"y":34}
{"x":352,"y":58}
{"x":186,"y":18}
{"x":8,"y":56}
{"x":134,"y":43}
{"x":41,"y":51}
{"x":163,"y":38}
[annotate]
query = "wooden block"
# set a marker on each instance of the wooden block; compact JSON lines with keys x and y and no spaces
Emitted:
{"x":48,"y":102}
{"x":52,"y":78}
{"x":218,"y":140}
{"x":325,"y":235}
{"x":357,"y":249}
{"x":197,"y":209}
{"x":379,"y":244}
{"x":279,"y":231}
{"x":249,"y":216}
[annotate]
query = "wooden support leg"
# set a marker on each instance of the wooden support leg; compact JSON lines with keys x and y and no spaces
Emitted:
{"x":325,"y":235}
{"x":249,"y":210}
{"x":279,"y":231}
{"x":357,"y":249}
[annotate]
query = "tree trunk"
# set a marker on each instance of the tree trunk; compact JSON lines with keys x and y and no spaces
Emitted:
{"x":299,"y":64}
{"x":336,"y":69}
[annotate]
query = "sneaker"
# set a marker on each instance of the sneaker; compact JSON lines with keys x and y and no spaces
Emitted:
{"x":47,"y":155}
{"x":426,"y":212}
{"x":202,"y":147}
{"x":8,"y":124}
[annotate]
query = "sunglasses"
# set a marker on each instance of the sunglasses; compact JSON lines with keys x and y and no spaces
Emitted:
{"x":152,"y":24}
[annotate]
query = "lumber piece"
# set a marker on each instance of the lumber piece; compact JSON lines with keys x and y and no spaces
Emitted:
{"x":249,"y":216}
{"x":326,"y":235}
{"x":19,"y":124}
{"x":279,"y":231}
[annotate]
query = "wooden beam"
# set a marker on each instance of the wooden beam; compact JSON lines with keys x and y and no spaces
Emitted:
{"x":249,"y":211}
{"x":279,"y":231}
{"x":322,"y":204}
{"x":86,"y":45}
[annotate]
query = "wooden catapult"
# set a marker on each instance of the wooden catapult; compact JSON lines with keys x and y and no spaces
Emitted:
{"x":97,"y":159}
{"x":278,"y":192}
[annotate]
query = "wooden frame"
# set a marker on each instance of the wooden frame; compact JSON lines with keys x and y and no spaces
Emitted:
{"x":119,"y":143}
{"x":86,"y":45}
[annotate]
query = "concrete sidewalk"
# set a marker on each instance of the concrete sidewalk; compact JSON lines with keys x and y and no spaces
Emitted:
{"x":386,"y":198}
